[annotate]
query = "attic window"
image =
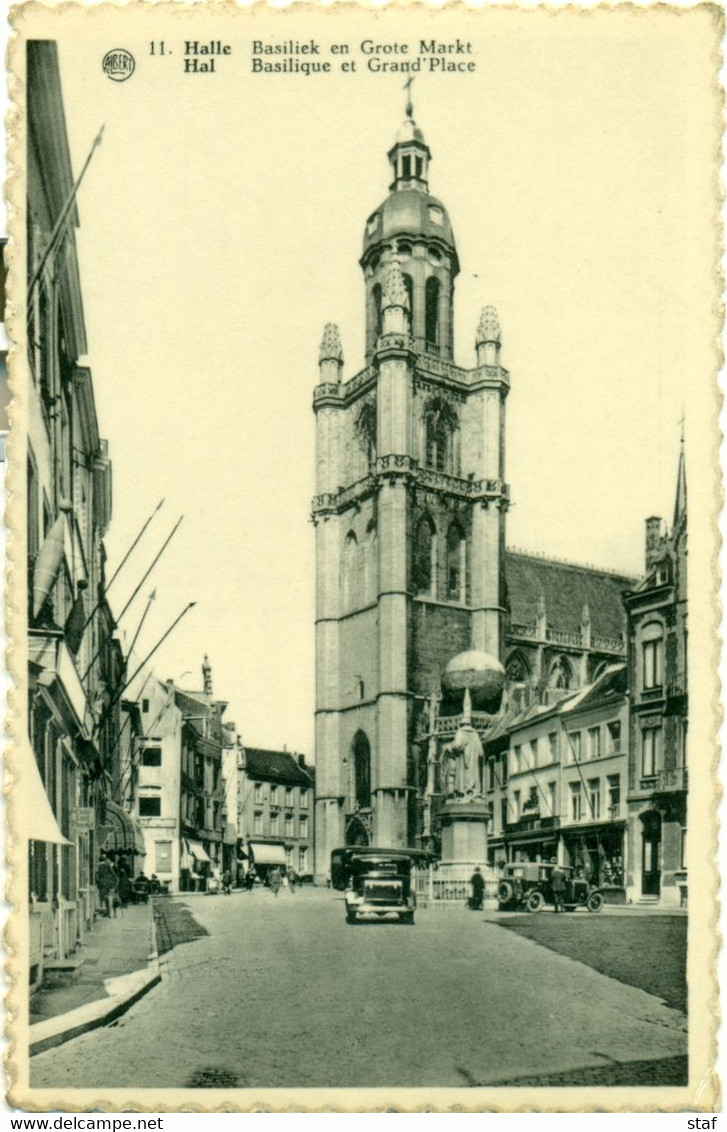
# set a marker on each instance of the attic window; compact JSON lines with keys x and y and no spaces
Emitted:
{"x":435,"y":215}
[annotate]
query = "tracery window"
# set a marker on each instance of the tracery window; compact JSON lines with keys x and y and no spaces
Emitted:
{"x":425,"y":556}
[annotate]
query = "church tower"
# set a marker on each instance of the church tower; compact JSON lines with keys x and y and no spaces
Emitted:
{"x":409,"y":516}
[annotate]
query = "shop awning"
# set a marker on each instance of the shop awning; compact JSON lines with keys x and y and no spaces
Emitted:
{"x":123,"y":832}
{"x":39,"y":823}
{"x":198,"y":851}
{"x":264,"y":853}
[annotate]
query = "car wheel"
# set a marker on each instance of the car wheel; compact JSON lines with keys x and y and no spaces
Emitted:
{"x":351,"y":918}
{"x":595,"y":902}
{"x":505,"y":892}
{"x":535,"y":902}
{"x":406,"y":918}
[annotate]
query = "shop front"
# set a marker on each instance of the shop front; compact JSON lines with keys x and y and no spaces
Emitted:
{"x":120,"y":837}
{"x":532,"y":839}
{"x":266,"y":856}
{"x":597,"y":850}
{"x":195,"y":866}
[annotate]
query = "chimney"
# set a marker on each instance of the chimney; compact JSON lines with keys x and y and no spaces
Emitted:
{"x":301,"y":761}
{"x":653,"y":541}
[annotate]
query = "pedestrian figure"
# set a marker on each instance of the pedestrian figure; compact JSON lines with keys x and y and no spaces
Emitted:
{"x":286,"y":882}
{"x":107,"y":885}
{"x":293,"y":881}
{"x":226,"y":882}
{"x":477,"y":882}
{"x":557,"y":882}
{"x":124,"y":883}
{"x":250,"y":879}
{"x":275,"y":881}
{"x":141,"y":888}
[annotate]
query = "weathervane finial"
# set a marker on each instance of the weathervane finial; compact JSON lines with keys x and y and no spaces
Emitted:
{"x":407,"y":88}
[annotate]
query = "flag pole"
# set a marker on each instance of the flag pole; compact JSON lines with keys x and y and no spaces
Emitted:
{"x":63,"y":216}
{"x":131,"y":646}
{"x":98,"y":604}
{"x":119,"y":691}
{"x":156,"y":558}
{"x":141,"y":532}
{"x":148,"y":657}
{"x":150,"y":599}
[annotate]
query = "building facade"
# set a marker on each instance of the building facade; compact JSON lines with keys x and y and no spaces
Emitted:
{"x":76,"y":667}
{"x":658,"y":774}
{"x":276,"y":810}
{"x":556,"y":779}
{"x":151,"y":782}
{"x":411,"y":560}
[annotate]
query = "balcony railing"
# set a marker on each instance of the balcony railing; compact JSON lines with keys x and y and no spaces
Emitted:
{"x":673,"y":780}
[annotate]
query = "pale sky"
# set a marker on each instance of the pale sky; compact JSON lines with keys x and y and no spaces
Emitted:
{"x":221,"y":224}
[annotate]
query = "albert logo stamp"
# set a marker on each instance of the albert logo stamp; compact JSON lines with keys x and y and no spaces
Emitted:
{"x":118,"y":64}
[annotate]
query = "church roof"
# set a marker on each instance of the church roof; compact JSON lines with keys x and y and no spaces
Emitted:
{"x":565,"y":588}
{"x":275,"y":766}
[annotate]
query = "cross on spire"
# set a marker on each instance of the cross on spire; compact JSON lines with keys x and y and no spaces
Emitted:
{"x":407,"y":88}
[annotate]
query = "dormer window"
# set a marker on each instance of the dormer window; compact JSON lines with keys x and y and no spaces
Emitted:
{"x":372,"y":224}
{"x":435,"y":215}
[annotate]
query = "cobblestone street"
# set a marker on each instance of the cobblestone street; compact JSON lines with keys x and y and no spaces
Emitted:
{"x":280,"y":992}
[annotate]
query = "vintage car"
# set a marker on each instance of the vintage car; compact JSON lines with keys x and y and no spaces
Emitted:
{"x":376,"y":882}
{"x":528,"y":884}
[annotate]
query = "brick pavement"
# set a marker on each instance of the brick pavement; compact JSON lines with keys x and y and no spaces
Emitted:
{"x":284,"y":993}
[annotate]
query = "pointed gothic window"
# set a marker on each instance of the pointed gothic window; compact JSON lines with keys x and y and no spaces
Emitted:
{"x":349,"y":573}
{"x":456,"y":563}
{"x":370,"y":564}
{"x":561,"y":674}
{"x":425,"y":557}
{"x":378,"y":317}
{"x":431,"y":312}
{"x":362,"y":770}
{"x":410,"y":295}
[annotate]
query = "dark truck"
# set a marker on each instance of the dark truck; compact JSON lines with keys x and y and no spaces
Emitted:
{"x":377,"y":882}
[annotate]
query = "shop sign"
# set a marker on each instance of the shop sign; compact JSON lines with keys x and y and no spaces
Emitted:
{"x":83,"y":818}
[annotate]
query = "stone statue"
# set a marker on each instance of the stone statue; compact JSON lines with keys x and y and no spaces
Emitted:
{"x":461,"y":767}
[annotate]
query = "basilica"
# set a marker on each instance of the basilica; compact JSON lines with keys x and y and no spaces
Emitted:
{"x":418,"y":595}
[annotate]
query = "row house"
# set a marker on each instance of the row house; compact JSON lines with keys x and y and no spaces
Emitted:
{"x":555,"y":780}
{"x":275,"y":810}
{"x":76,"y":668}
{"x":658,"y":775}
{"x":173,"y":783}
{"x":202,"y":798}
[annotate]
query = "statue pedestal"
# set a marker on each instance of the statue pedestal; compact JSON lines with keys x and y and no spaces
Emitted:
{"x":464,"y":831}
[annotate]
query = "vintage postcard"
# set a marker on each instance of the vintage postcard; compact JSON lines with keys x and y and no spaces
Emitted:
{"x":363,"y":595}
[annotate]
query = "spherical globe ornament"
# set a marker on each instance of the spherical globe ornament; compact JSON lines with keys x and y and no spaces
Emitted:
{"x":481,"y":673}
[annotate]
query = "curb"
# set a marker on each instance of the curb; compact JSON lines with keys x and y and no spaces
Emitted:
{"x":126,"y":991}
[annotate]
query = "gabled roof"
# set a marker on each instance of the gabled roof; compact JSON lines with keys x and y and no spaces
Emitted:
{"x":565,"y":588}
{"x":610,"y":685}
{"x":275,"y":766}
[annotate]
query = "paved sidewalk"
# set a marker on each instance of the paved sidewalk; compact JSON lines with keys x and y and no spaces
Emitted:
{"x":120,"y":964}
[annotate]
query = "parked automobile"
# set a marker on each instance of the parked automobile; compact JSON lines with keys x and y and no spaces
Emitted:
{"x":376,"y":882}
{"x":528,"y":885}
